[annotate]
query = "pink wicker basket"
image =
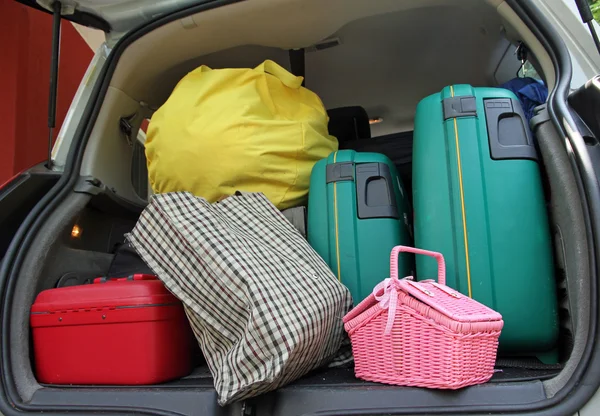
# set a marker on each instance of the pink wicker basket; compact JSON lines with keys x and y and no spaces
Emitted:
{"x":423,"y":333}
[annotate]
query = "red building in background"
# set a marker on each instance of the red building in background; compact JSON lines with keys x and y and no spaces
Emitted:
{"x":26,"y":36}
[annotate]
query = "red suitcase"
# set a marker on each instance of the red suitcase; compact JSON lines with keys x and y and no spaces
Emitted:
{"x":128,"y":331}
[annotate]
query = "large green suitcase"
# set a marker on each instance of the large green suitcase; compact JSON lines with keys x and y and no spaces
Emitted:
{"x":357,"y":212}
{"x":478,"y":199}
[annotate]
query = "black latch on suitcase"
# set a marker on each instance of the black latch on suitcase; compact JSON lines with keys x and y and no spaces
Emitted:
{"x":375,"y":191}
{"x":459,"y":107}
{"x":508,"y":132}
{"x":336,"y":172}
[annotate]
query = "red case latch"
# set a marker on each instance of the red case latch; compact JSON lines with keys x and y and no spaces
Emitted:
{"x":133,"y":277}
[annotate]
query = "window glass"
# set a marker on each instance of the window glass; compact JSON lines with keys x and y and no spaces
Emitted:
{"x":527,"y":70}
{"x":595,"y":6}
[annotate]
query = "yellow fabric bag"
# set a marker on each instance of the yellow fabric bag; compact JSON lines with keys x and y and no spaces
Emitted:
{"x":227,"y":130}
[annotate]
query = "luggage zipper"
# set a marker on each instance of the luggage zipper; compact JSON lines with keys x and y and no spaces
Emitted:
{"x":462,"y":201}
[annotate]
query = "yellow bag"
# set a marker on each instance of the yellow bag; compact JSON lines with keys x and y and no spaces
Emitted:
{"x":227,"y":130}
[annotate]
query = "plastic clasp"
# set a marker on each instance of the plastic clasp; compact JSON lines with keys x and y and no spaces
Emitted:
{"x":132,"y":277}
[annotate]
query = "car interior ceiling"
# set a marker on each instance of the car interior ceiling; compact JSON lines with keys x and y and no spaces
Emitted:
{"x":383,"y":57}
{"x":372,"y":62}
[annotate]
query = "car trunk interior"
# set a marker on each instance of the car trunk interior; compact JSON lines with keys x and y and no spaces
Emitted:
{"x":384,"y":56}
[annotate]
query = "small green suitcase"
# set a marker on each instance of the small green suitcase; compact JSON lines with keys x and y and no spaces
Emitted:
{"x":357,"y":212}
{"x":478,"y":200}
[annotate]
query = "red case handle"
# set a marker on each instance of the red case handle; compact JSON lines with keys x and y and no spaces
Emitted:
{"x":132,"y":277}
{"x":404,"y":249}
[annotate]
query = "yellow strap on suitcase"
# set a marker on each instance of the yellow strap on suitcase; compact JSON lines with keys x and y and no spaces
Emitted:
{"x":337,"y":233}
{"x":462,"y":201}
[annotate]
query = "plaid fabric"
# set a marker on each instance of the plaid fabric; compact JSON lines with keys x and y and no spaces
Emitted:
{"x":264,"y":306}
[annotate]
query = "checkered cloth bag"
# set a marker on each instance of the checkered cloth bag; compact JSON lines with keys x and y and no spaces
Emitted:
{"x":264,"y":306}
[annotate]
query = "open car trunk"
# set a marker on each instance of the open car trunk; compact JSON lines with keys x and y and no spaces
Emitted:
{"x":384,"y":56}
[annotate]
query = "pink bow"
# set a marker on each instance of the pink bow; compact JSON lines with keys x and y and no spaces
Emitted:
{"x":388,"y":299}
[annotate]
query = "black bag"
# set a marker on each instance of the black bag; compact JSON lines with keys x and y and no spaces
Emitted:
{"x":127,"y":262}
{"x":397,"y":146}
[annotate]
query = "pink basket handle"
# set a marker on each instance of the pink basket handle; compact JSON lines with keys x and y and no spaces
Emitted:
{"x":404,"y":249}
